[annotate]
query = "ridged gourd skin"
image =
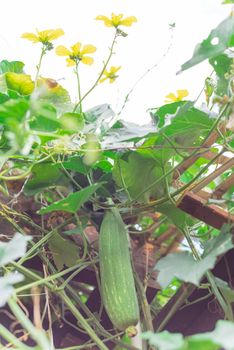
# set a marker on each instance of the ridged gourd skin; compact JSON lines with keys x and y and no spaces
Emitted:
{"x":117,"y":281}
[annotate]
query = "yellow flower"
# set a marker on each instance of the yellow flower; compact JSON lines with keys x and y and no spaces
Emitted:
{"x":117,"y":20}
{"x":44,"y":36}
{"x":111,"y":75}
{"x":173,"y":98}
{"x":76,"y":54}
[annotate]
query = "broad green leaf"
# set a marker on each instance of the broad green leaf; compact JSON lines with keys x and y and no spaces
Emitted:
{"x":6,"y":286}
{"x":127,"y":132}
{"x":176,"y":215}
{"x":51,"y":91}
{"x":14,"y":249}
{"x":11,"y":66}
{"x":136,"y":174}
{"x":13,"y":110}
{"x":64,"y":251}
{"x":72,"y":122}
{"x":22,"y":83}
{"x":226,"y":291}
{"x":160,"y":115}
{"x":3,"y":98}
{"x":165,"y":340}
{"x":182,"y":266}
{"x":217,"y":42}
{"x":222,"y":335}
{"x":73,"y":201}
{"x":44,"y":117}
{"x":221,"y":65}
{"x":76,"y":164}
{"x":220,"y":244}
{"x":198,"y":344}
{"x":91,"y":150}
{"x":225,"y":2}
{"x":44,"y":175}
{"x":191,"y":270}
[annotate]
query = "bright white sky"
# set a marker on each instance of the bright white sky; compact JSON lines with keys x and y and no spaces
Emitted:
{"x":145,"y":45}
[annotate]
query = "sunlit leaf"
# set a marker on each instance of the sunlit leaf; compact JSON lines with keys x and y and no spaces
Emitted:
{"x":14,"y":249}
{"x":51,"y":91}
{"x":164,"y":340}
{"x":76,"y":164}
{"x":6,"y":286}
{"x":217,"y":42}
{"x":64,"y":251}
{"x":22,"y":83}
{"x":189,"y":269}
{"x":223,"y":335}
{"x":221,"y":65}
{"x":11,"y":66}
{"x":73,"y":201}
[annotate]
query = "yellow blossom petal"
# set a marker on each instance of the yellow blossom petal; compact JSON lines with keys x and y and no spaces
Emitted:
{"x":116,"y":19}
{"x":106,"y":20}
{"x":76,"y":49}
{"x":103,"y":79}
{"x":182,"y":93}
{"x":128,"y":21}
{"x":88,"y":49}
{"x":30,"y":36}
{"x":55,"y":34}
{"x":87,"y":60}
{"x":113,"y":70}
{"x":171,"y":96}
{"x":62,"y":51}
{"x":70,"y":62}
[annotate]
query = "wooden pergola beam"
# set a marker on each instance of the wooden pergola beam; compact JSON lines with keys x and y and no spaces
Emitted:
{"x":210,"y":214}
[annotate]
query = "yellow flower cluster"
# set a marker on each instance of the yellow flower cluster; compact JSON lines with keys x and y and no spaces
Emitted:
{"x":173,"y":98}
{"x":117,"y":20}
{"x":44,"y":36}
{"x":76,"y":54}
{"x":111,"y":74}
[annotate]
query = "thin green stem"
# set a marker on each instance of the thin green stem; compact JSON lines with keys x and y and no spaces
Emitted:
{"x":111,"y":52}
{"x":224,"y":305}
{"x":43,"y":52}
{"x":38,"y":335}
{"x":78,"y":86}
{"x":82,"y":320}
{"x":7,"y":335}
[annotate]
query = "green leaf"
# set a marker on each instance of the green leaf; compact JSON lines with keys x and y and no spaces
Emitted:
{"x":76,"y":164}
{"x":225,"y":2}
{"x":44,"y":117}
{"x":13,"y":110}
{"x":217,"y":42}
{"x":223,"y":335}
{"x":136,"y":174}
{"x":72,"y":122}
{"x":22,"y":83}
{"x":14,"y":249}
{"x":226,"y":291}
{"x":220,"y":244}
{"x":176,"y":215}
{"x":6,"y":286}
{"x":164,"y":340}
{"x":51,"y":91}
{"x":198,"y":344}
{"x":182,"y":266}
{"x":191,"y":270}
{"x":221,"y":65}
{"x":11,"y":66}
{"x":64,"y":251}
{"x":73,"y":201}
{"x":44,"y":175}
